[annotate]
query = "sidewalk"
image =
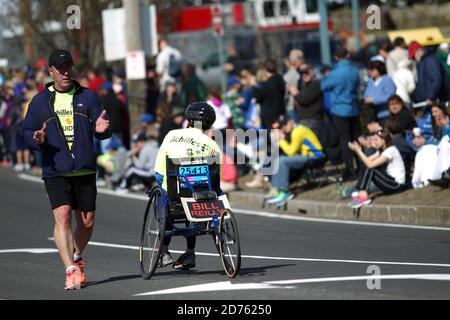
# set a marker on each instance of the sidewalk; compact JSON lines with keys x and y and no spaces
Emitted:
{"x":429,"y":206}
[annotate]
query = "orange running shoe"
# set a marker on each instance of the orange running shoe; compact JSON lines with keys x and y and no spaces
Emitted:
{"x":73,"y":279}
{"x":81,"y":264}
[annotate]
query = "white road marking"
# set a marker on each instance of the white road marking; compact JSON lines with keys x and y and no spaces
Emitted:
{"x":214,"y":287}
{"x":268,"y":214}
{"x":119,"y":246}
{"x":228,"y":286}
{"x":34,"y":251}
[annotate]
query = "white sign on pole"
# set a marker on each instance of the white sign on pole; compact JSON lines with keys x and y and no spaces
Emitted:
{"x":114,"y":32}
{"x":135,"y":65}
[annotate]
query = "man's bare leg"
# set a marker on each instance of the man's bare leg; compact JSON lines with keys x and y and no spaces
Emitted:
{"x":63,"y":234}
{"x":84,"y":230}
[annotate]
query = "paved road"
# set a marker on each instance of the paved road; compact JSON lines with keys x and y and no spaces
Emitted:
{"x":283,"y":258}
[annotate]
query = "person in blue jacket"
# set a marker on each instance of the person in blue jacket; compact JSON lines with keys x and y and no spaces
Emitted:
{"x":61,"y":122}
{"x":379,"y":88}
{"x":343,"y":82}
{"x":433,"y":83}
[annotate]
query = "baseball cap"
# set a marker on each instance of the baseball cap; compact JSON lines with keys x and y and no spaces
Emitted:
{"x":233,"y":80}
{"x":417,"y":132}
{"x":147,"y":118}
{"x":113,"y":145}
{"x":413,"y":47}
{"x":444,"y":45}
{"x":59,"y":57}
{"x":139,"y":137}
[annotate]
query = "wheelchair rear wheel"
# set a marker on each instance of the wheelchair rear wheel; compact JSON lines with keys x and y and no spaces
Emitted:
{"x":229,"y":245}
{"x":152,"y":236}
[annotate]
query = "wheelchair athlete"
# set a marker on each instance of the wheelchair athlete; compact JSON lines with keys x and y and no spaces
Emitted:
{"x":191,"y":142}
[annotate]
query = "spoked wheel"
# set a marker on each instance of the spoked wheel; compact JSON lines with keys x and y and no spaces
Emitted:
{"x":152,"y":236}
{"x":229,"y":246}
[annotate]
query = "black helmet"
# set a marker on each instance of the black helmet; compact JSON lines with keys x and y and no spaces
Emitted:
{"x":201,"y":112}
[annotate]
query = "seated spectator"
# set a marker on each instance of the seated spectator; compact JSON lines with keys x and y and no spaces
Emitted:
{"x":309,"y":100}
{"x":443,"y":149}
{"x":425,"y":161}
{"x":407,"y":151}
{"x":385,"y":169}
{"x":113,"y":162}
{"x":143,"y":158}
{"x":367,"y":142}
{"x":378,"y":91}
{"x":302,"y":149}
{"x":399,"y":112}
{"x":438,"y":110}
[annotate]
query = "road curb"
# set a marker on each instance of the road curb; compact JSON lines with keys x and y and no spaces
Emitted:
{"x":398,"y":214}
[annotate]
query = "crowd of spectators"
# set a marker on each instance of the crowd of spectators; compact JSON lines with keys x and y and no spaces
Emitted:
{"x":382,"y":137}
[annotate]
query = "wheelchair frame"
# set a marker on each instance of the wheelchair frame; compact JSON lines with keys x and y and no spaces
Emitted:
{"x":162,"y":208}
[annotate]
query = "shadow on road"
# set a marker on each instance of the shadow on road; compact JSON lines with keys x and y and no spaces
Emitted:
{"x":112,"y":279}
{"x":244,"y":272}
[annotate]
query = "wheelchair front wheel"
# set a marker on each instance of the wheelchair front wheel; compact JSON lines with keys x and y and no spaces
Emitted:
{"x":229,"y":245}
{"x":152,"y":236}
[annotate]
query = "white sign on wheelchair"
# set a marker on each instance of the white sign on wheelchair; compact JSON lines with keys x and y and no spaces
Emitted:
{"x":204,"y":210}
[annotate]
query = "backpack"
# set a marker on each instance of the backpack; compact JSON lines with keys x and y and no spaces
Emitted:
{"x":175,"y":66}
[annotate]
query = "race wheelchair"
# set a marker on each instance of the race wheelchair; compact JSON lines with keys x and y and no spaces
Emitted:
{"x":194,"y":201}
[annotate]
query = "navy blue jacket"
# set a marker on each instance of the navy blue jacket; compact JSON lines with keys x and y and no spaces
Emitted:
{"x":433,"y":82}
{"x":57,"y":157}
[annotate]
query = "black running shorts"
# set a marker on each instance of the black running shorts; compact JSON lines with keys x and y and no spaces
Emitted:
{"x":79,"y":192}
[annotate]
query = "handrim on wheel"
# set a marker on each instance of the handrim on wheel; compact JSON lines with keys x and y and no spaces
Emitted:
{"x":152,"y":236}
{"x":230,"y":250}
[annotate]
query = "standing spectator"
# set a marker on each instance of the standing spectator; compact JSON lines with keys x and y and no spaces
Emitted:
{"x":168,"y":100}
{"x":270,"y":94}
{"x":116,"y":112}
{"x":95,"y":80}
{"x":443,"y":54}
{"x":292,"y":78}
{"x":343,"y":82}
{"x":233,"y":64}
{"x":432,"y":81}
{"x":69,"y":164}
{"x":403,"y":78}
{"x":222,"y":110}
{"x":173,"y":122}
{"x":236,"y":102}
{"x":383,"y":52}
{"x":378,"y":91}
{"x":399,"y":53}
{"x":168,"y":64}
{"x":193,"y":89}
{"x":385,"y":169}
{"x":151,"y":91}
{"x":309,"y":100}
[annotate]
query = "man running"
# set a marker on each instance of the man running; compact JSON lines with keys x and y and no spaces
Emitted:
{"x":61,"y":122}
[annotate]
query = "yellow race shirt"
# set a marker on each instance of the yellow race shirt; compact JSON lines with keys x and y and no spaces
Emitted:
{"x":184,"y":143}
{"x":63,"y":107}
{"x":304,"y":142}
